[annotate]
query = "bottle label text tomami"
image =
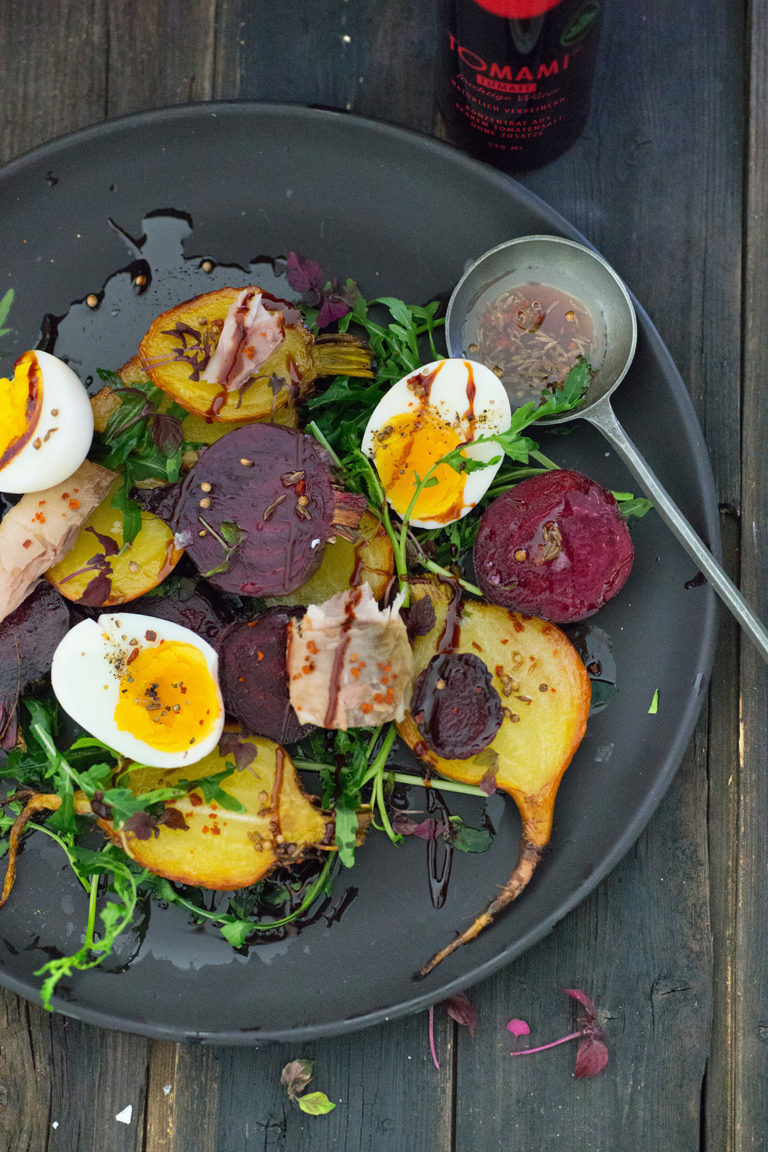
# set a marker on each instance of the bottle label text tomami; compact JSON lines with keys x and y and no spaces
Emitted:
{"x":517,"y":76}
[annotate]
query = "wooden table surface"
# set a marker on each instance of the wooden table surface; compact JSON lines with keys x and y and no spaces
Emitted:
{"x":670,"y":182}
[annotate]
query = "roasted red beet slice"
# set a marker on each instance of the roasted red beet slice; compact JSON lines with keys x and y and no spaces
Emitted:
{"x":28,"y":639}
{"x":254,"y":677}
{"x":194,"y":611}
{"x":555,"y":546}
{"x":257,"y":509}
{"x":455,"y":705}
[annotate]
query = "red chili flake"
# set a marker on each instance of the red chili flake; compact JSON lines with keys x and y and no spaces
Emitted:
{"x":150,"y":636}
{"x":312,"y":647}
{"x":365,"y":708}
{"x":259,"y":655}
{"x":40,"y":503}
{"x":26,"y":544}
{"x":195,"y":800}
{"x":39,"y":516}
{"x":133,"y":655}
{"x":74,"y":504}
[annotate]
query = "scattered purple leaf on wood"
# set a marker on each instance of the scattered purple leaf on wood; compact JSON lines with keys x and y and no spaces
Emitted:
{"x":586,"y":1003}
{"x":432,"y":1048}
{"x":461,"y":1009}
{"x":296,"y":1075}
{"x":591,"y":1057}
{"x":518,"y":1028}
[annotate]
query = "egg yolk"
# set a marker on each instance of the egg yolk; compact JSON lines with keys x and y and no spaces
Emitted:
{"x":167,"y":696}
{"x":404,"y":451}
{"x":21,"y":401}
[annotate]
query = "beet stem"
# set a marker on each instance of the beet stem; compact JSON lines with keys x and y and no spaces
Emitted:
{"x":529,"y":856}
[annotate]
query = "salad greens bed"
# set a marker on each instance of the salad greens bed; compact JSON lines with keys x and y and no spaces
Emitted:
{"x":141,"y":442}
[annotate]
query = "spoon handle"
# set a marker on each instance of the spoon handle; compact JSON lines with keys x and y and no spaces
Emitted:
{"x":604,"y":419}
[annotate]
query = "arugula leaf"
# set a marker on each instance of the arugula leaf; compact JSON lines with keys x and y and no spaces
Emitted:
{"x":229,"y":535}
{"x":5,"y":307}
{"x":211,"y":789}
{"x":116,"y":915}
{"x":346,"y":831}
{"x":632,"y":507}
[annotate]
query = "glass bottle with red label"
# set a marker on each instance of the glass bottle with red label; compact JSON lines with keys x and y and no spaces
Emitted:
{"x":517,"y":76}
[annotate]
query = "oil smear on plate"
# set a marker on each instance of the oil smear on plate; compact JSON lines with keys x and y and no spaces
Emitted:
{"x":103,"y":328}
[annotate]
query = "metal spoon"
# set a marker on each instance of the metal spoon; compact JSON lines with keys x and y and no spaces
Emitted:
{"x":583,"y":274}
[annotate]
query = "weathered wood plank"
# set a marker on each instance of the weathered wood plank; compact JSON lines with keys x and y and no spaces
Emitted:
{"x":641,"y":944}
{"x":160,"y":53}
{"x":387,"y":1092}
{"x":373,"y":59}
{"x":55,"y":71}
{"x":25,"y":1075}
{"x":182,"y":1098}
{"x":639,"y":947}
{"x":750,"y":966}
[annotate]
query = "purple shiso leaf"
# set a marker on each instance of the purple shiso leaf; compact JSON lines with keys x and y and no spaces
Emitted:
{"x":333,"y":308}
{"x":585,"y":1002}
{"x":461,"y":1009}
{"x":591,"y":1057}
{"x":303,"y":275}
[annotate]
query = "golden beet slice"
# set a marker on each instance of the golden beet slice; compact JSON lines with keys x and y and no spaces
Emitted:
{"x":545,"y":694}
{"x":197,"y":430}
{"x":100,"y":570}
{"x":219,"y":848}
{"x":176,"y":349}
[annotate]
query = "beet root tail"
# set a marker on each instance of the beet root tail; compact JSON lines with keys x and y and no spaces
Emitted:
{"x":529,"y":856}
{"x":38,"y":803}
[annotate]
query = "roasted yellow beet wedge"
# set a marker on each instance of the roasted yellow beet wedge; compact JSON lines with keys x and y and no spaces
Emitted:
{"x":271,"y":822}
{"x":197,"y":430}
{"x":176,"y":349}
{"x":545,"y":693}
{"x":220,"y":848}
{"x":100,"y":570}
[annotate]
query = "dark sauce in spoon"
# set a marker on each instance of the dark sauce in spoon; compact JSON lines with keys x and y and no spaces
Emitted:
{"x":531,"y":336}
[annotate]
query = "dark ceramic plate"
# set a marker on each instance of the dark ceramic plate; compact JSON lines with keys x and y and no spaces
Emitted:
{"x":402,"y":215}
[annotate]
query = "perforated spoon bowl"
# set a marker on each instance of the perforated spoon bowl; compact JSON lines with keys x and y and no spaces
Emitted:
{"x":583,"y":274}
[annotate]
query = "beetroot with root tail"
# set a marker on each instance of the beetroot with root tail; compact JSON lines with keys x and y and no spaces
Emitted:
{"x":555,"y":545}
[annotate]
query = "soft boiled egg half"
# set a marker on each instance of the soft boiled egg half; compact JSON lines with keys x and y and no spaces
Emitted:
{"x":148,"y":688}
{"x":427,"y":414}
{"x":46,"y":424}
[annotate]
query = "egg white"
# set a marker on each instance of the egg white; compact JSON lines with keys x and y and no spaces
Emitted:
{"x":87,"y":686}
{"x":449,"y":399}
{"x":62,"y":438}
